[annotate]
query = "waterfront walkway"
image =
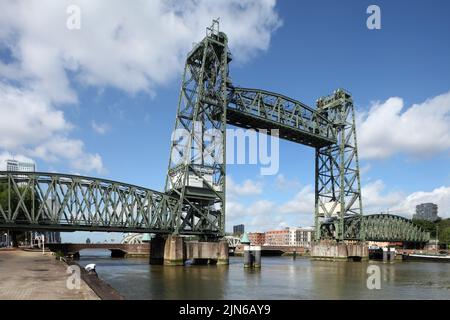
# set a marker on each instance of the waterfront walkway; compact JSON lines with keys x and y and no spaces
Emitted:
{"x":26,"y":275}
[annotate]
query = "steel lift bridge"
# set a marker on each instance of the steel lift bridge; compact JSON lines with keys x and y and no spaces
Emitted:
{"x":193,"y":201}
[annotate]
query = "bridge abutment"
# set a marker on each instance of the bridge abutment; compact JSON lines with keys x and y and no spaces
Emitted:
{"x":339,"y":251}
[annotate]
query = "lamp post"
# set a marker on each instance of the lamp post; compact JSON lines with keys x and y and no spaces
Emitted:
{"x":437,"y":238}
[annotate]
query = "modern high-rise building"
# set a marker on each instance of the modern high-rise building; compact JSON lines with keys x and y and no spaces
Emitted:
{"x":4,"y":239}
{"x":22,"y":166}
{"x":49,"y":236}
{"x":426,"y":211}
{"x":238,"y":229}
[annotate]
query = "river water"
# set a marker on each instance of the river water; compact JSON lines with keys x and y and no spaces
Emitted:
{"x":279,"y":278}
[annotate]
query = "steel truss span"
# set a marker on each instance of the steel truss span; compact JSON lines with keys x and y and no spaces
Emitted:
{"x":378,"y":227}
{"x":386,"y":227}
{"x":297,"y":122}
{"x":63,"y":202}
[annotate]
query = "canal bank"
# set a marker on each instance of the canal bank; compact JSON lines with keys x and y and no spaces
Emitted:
{"x":31,"y":275}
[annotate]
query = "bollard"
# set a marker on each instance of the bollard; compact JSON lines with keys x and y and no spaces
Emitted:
{"x":256,"y":250}
{"x":252,"y":256}
{"x":392,"y":254}
{"x":385,"y":254}
{"x":247,"y":257}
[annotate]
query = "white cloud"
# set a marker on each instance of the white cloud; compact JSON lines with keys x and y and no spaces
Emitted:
{"x":365,"y":169}
{"x":374,"y":198}
{"x":247,"y":188}
{"x":100,"y":128}
{"x":259,"y":207}
{"x":268,"y":222}
{"x":31,"y":126}
{"x":302,"y":203}
{"x":71,"y":150}
{"x":130,"y":47}
{"x":259,"y":215}
{"x":263,"y":215}
{"x":27,"y":118}
{"x":439,"y":196}
{"x":133,"y":48}
{"x":282,"y":183}
{"x":420,"y":130}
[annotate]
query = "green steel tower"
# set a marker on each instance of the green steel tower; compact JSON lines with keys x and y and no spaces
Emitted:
{"x":196,"y":173}
{"x":338,"y":186}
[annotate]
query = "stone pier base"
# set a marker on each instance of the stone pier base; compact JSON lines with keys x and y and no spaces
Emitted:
{"x":339,"y":251}
{"x":224,"y":251}
{"x":207,"y":252}
{"x":174,"y":251}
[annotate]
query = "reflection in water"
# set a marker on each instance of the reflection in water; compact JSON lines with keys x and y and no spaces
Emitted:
{"x":279,"y":278}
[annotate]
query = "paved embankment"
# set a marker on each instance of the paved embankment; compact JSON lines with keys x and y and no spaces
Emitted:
{"x":26,"y":275}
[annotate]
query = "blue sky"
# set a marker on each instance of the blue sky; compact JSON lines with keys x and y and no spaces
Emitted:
{"x":111,"y":89}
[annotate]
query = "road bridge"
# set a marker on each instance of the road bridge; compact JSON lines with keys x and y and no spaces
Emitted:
{"x":117,"y":249}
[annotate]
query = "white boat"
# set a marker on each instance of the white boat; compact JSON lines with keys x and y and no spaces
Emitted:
{"x":427,"y":257}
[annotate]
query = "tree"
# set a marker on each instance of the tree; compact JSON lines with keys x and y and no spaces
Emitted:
{"x":21,"y":217}
{"x":427,"y":226}
{"x":444,"y":235}
{"x":443,"y":225}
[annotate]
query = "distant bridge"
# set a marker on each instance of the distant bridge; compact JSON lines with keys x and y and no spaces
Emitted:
{"x":117,"y":249}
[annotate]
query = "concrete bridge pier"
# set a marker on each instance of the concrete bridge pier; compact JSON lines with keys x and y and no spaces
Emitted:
{"x":174,"y":251}
{"x":335,"y":251}
{"x":157,"y":245}
{"x":224,"y":252}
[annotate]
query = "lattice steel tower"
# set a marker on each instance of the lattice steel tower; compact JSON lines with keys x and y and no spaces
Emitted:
{"x":196,"y":173}
{"x":338,"y":186}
